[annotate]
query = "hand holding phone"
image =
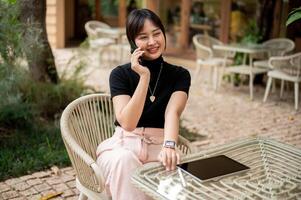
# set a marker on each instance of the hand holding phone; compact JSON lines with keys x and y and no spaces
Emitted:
{"x":136,"y":60}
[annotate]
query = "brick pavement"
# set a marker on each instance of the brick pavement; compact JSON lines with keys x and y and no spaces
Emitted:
{"x":222,"y":116}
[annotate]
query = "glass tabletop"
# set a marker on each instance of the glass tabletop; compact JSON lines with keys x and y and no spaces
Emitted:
{"x":275,"y":174}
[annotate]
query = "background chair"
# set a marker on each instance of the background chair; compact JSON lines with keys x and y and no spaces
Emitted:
{"x":286,"y":68}
{"x":277,"y":47}
{"x":92,"y":26}
{"x":207,"y":56}
{"x":100,"y":43}
{"x":85,"y":123}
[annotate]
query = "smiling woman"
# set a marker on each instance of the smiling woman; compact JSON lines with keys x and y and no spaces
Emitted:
{"x":148,"y":96}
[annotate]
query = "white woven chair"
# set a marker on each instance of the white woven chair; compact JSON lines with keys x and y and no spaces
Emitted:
{"x":99,"y":43}
{"x":85,"y":123}
{"x":277,"y":47}
{"x":286,"y":68}
{"x":92,"y":26}
{"x":207,"y":56}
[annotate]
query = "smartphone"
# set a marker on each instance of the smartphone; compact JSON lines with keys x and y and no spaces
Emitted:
{"x":133,"y":46}
{"x":213,"y":168}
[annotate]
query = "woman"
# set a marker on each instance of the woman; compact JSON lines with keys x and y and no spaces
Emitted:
{"x":148,"y":96}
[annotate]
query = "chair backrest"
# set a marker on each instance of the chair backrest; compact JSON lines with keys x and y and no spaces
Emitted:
{"x":88,"y":121}
{"x":290,"y":65}
{"x":279,"y":46}
{"x":204,"y":44}
{"x":92,"y":26}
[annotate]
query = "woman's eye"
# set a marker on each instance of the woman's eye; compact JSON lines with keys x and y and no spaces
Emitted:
{"x":157,"y":34}
{"x":143,"y":38}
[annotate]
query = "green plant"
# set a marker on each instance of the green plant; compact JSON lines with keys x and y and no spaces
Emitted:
{"x":252,"y":34}
{"x":293,"y":16}
{"x":29,"y":110}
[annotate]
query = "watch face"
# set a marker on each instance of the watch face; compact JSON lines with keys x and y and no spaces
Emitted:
{"x":170,"y":144}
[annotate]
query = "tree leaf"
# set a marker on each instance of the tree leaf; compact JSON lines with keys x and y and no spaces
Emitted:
{"x":293,"y":16}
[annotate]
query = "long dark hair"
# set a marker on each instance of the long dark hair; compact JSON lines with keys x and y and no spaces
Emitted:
{"x":135,"y":22}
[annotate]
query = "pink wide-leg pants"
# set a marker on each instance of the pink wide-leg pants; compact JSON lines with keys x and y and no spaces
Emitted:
{"x":120,"y":155}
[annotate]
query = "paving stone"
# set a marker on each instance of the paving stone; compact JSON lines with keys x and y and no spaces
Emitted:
{"x":68,"y":193}
{"x":60,"y":187}
{"x":42,"y":187}
{"x":67,"y":169}
{"x":53,"y":180}
{"x":35,"y":181}
{"x":72,"y":198}
{"x":13,"y":181}
{"x":27,"y":177}
{"x":29,"y":192}
{"x":42,"y":174}
{"x":18,"y":198}
{"x":4,"y":187}
{"x":34,"y":197}
{"x":71,"y":184}
{"x":21,"y":186}
{"x":10,"y":194}
{"x":76,"y":191}
{"x":67,"y":178}
{"x":47,"y":192}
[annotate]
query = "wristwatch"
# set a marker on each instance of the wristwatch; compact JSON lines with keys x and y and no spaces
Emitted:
{"x":169,"y":144}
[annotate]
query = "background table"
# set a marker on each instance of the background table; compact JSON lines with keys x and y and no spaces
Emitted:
{"x":275,"y":174}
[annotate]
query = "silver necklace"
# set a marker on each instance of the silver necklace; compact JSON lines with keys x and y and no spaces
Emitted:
{"x":152,"y":96}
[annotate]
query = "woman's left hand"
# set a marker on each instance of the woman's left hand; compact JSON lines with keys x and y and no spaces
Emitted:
{"x":169,"y":158}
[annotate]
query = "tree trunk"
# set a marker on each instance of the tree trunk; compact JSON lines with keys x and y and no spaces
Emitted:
{"x":39,"y":55}
{"x":265,"y":20}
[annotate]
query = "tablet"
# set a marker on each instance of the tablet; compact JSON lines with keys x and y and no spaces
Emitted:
{"x":213,"y":167}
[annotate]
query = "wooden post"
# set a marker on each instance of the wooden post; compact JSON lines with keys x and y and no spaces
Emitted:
{"x":153,"y":5}
{"x":184,"y":26}
{"x":97,"y":10}
{"x":122,"y":13}
{"x":225,"y":20}
{"x":277,"y":19}
{"x":60,"y":26}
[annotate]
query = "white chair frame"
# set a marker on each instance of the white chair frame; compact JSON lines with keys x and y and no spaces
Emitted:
{"x":288,"y":70}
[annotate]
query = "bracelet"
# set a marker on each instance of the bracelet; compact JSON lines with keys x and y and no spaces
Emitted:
{"x":169,"y":144}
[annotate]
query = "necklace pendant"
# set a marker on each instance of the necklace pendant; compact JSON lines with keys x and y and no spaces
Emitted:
{"x":152,"y":98}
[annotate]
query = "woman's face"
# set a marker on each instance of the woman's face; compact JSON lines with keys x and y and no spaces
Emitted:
{"x":151,"y":40}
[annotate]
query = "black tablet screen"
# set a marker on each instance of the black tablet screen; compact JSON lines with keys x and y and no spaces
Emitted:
{"x":213,"y":167}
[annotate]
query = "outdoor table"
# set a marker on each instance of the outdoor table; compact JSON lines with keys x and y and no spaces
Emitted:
{"x":275,"y":173}
{"x":248,"y":50}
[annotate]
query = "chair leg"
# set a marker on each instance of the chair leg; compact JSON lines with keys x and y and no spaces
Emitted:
{"x":273,"y":86}
{"x":281,"y":89}
{"x":251,"y":85}
{"x":82,"y":196}
{"x":196,"y":73}
{"x":267,"y":89}
{"x":211,"y":78}
{"x":216,"y":77}
{"x":296,"y":95}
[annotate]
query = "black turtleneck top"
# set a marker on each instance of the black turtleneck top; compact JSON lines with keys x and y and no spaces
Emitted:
{"x":123,"y":81}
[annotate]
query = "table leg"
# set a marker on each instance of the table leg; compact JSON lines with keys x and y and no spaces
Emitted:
{"x":251,"y":77}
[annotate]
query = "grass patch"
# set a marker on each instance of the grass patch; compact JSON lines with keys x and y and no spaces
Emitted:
{"x":24,"y":153}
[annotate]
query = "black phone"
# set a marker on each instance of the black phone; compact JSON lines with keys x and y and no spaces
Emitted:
{"x":213,"y":167}
{"x":133,"y":46}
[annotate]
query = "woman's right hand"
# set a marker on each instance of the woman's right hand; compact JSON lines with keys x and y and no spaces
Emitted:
{"x":136,"y":66}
